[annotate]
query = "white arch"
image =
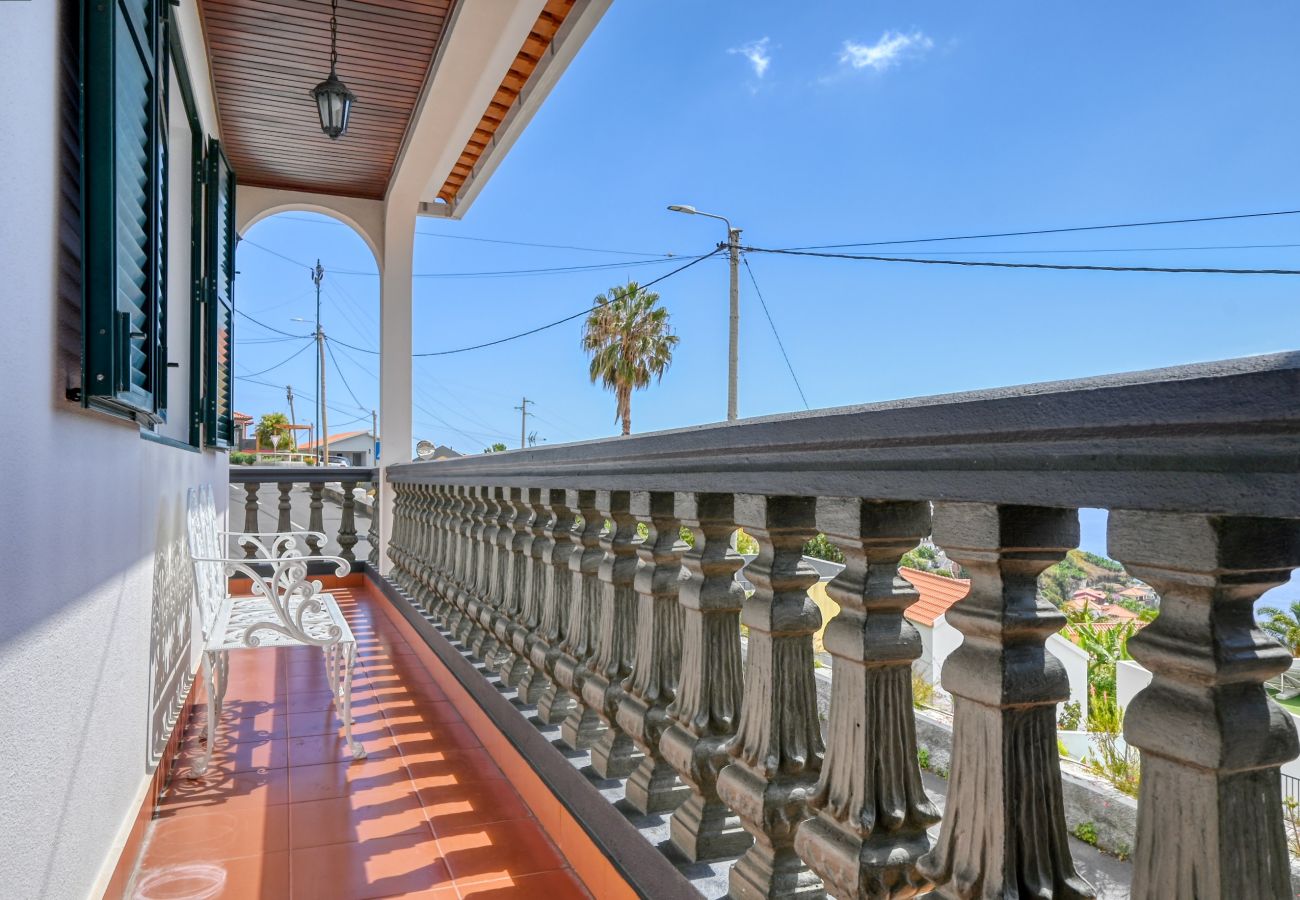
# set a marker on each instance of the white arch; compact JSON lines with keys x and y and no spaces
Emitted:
{"x":365,"y":217}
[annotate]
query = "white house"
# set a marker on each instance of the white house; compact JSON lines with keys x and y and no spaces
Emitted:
{"x":357,"y":447}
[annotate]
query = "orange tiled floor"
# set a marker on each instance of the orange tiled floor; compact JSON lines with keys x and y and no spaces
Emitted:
{"x":284,"y":812}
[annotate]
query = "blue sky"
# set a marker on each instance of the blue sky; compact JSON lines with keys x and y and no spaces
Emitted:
{"x":835,"y":122}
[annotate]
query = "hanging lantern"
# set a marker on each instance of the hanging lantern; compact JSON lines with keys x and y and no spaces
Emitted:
{"x":333,"y":99}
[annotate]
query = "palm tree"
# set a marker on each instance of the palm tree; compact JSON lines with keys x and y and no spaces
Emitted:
{"x":629,"y":341}
{"x":273,"y":431}
{"x":1282,"y":624}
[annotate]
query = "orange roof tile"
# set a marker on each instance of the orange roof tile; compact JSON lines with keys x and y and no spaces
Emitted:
{"x":938,"y":594}
{"x":343,"y":436}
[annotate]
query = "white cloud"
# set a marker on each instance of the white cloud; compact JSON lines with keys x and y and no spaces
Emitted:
{"x":892,"y":48}
{"x":757,"y":54}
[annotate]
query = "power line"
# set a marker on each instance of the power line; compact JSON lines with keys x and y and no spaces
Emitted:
{"x":280,"y":363}
{"x":532,"y":331}
{"x":463,"y":237}
{"x":343,"y":377}
{"x":972,"y":237}
{"x":1102,"y":250}
{"x":308,"y":397}
{"x":1013,"y":265}
{"x":269,"y":327}
{"x":776,"y":334}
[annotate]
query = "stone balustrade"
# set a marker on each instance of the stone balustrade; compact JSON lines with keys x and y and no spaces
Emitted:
{"x":305,"y":499}
{"x":565,"y":568}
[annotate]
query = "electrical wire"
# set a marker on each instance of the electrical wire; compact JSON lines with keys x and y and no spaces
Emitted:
{"x":342,"y":377}
{"x":1013,"y":265}
{"x":301,"y":396}
{"x":777,"y":335}
{"x":269,"y":327}
{"x":280,"y":363}
{"x":1102,"y":250}
{"x":972,"y":237}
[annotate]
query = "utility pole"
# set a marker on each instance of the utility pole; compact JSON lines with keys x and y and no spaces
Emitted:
{"x":733,"y":349}
{"x":293,"y":420}
{"x":323,"y":450}
{"x":374,"y":434}
{"x":523,"y":422}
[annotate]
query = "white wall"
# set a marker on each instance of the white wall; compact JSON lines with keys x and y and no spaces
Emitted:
{"x":1129,"y":679}
{"x":95,"y":634}
{"x":943,"y":639}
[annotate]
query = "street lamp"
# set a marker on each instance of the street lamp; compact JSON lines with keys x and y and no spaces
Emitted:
{"x":733,"y":350}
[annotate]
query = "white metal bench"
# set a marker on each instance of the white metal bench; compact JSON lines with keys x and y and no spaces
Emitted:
{"x":284,"y":609}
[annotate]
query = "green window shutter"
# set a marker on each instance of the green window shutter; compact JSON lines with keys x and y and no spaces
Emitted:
{"x":219,"y":315}
{"x":124,"y":172}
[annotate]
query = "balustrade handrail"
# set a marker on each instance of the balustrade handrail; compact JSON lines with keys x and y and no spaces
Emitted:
{"x":1220,"y":437}
{"x":301,"y":474}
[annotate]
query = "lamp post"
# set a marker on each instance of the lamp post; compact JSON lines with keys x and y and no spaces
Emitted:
{"x":733,"y":350}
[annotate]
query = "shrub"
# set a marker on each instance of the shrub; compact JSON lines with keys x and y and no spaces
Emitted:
{"x":1291,"y":813}
{"x":820,"y":547}
{"x":1086,"y":832}
{"x":923,"y":757}
{"x":922,"y":690}
{"x":1071,"y":716}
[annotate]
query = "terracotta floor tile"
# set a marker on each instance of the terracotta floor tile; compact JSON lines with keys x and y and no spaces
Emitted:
{"x":458,"y":737}
{"x":379,"y":779}
{"x":454,"y":806}
{"x":342,"y":820}
{"x":561,"y":884}
{"x":484,"y":853}
{"x":437,"y":768}
{"x":318,"y":749}
{"x":222,"y":833}
{"x":384,"y":867}
{"x":242,"y":722}
{"x":246,"y":878}
{"x":266,"y":753}
{"x":220,"y":787}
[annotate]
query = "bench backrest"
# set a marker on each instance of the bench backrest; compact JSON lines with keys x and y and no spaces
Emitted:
{"x":205,"y":542}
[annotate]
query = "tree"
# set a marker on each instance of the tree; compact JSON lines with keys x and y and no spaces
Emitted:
{"x":273,"y":432}
{"x":498,"y":447}
{"x":1283,"y":625}
{"x":1105,"y":647}
{"x":629,"y":341}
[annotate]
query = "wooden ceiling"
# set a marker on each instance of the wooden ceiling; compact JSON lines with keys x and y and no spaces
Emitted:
{"x":266,"y":57}
{"x":539,"y":39}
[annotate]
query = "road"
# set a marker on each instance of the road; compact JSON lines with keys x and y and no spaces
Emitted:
{"x":268,"y":512}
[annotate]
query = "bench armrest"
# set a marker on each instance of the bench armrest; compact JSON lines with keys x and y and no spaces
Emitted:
{"x":278,"y":544}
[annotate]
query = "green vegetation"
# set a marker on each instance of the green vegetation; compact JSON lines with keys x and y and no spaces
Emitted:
{"x":1086,"y":832}
{"x":1120,"y":767}
{"x":821,"y":547}
{"x":274,"y":433}
{"x":630,"y":342}
{"x":1100,"y":562}
{"x":1282,"y":624}
{"x":923,"y":757}
{"x":1071,"y":716}
{"x":498,"y":447}
{"x":745,"y":545}
{"x":242,"y":459}
{"x":922,"y":691}
{"x":1105,"y":648}
{"x":1291,"y":813}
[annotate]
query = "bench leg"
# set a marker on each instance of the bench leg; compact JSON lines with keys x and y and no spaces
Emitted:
{"x":349,"y":652}
{"x":214,"y":670}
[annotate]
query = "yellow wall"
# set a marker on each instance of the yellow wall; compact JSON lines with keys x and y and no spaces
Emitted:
{"x":829,"y":609}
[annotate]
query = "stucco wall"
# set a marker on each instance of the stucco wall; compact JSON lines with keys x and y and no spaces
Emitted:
{"x":1129,"y":679}
{"x":95,"y":640}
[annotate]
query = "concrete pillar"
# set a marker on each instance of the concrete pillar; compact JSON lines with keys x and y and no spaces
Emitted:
{"x":394,"y":355}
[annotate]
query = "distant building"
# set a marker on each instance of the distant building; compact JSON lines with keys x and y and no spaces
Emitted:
{"x":442,"y":451}
{"x":243,"y":440}
{"x":357,"y":447}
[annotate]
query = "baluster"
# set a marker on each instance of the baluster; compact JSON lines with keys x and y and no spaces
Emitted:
{"x":515,"y":667}
{"x":554,"y":702}
{"x":442,"y":557}
{"x":704,"y":714}
{"x":250,"y":516}
{"x":1003,"y":831}
{"x":372,"y":532}
{"x":870,"y":809}
{"x":502,"y":610}
{"x":348,"y":526}
{"x":473,"y":567}
{"x":484,"y":645}
{"x":424,"y":546}
{"x":1210,"y":818}
{"x":777,"y":749}
{"x":642,"y":711}
{"x":614,"y":755}
{"x":284,"y":522}
{"x":461,"y":525}
{"x":581,"y":726}
{"x":531,"y":683}
{"x":396,"y":548}
{"x":316,"y":516}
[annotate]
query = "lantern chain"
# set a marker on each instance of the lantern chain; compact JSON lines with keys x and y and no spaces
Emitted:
{"x":334,"y":34}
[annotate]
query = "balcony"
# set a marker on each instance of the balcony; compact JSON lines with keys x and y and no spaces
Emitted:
{"x":561,"y":694}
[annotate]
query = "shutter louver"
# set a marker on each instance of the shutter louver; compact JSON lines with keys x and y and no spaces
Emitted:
{"x":220,"y":298}
{"x":124,"y":170}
